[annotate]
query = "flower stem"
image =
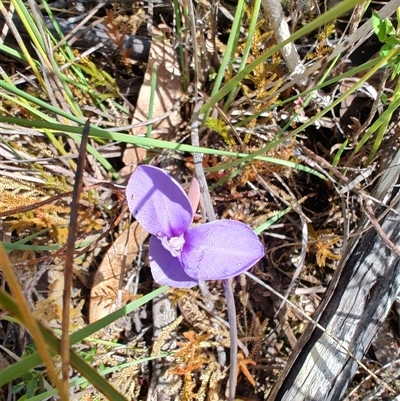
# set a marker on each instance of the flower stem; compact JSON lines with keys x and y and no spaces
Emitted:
{"x":230,"y":300}
{"x":230,"y":304}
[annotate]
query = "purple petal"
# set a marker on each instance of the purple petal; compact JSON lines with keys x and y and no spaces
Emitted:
{"x":158,"y":202}
{"x":219,"y":250}
{"x":166,"y":269}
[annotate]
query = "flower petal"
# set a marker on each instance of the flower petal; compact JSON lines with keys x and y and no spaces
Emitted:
{"x":166,"y":269}
{"x":219,"y":250}
{"x":158,"y":202}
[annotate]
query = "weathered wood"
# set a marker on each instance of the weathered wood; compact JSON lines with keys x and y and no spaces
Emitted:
{"x":357,"y":302}
{"x":164,"y":314}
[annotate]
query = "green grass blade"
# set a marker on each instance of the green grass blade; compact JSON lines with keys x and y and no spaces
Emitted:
{"x":330,"y":15}
{"x":15,"y":370}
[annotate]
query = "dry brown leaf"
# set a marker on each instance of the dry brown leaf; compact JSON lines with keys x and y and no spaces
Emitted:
{"x":168,"y":94}
{"x":105,"y":285}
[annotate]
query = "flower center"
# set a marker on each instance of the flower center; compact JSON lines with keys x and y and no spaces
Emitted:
{"x":174,"y":244}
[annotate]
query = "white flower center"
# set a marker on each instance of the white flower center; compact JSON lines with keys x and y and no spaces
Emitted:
{"x":174,"y":244}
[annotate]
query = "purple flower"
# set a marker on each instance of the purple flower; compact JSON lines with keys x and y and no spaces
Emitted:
{"x":180,"y":256}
